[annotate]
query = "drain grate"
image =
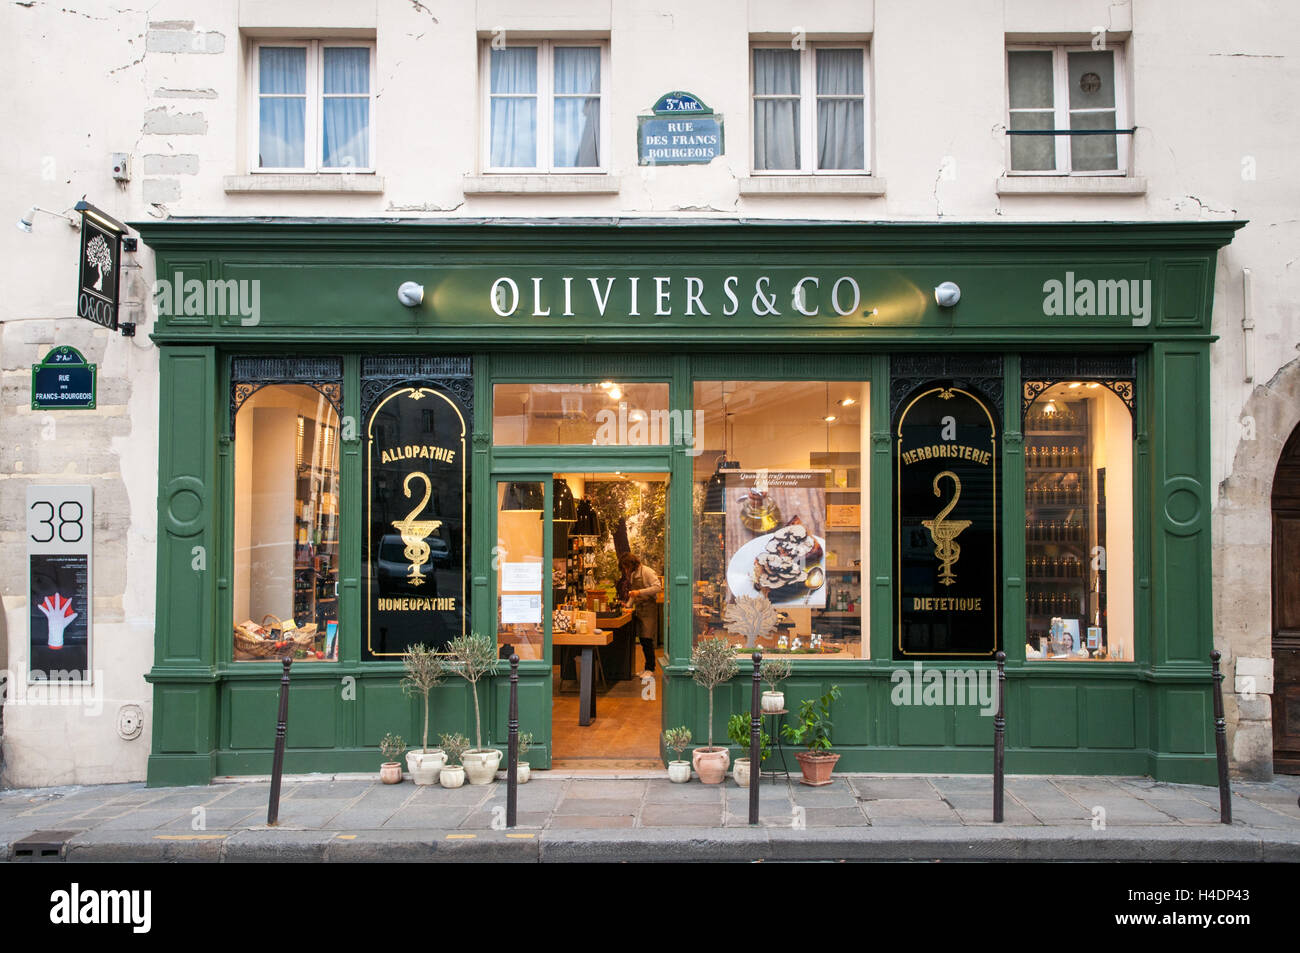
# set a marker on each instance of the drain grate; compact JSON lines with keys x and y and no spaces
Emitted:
{"x":42,"y":846}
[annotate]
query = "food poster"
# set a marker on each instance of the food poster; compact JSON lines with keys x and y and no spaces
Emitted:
{"x":776,"y":535}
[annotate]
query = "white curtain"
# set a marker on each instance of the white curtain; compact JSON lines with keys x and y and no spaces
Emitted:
{"x":514,"y":107}
{"x":577,"y":107}
{"x":776,"y":121}
{"x":282,"y":107}
{"x":346,"y":107}
{"x":840,"y":139}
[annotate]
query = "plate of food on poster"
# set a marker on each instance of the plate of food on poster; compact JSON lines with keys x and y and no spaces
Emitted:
{"x":774,"y":538}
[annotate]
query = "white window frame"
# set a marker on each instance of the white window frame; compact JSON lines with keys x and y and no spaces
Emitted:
{"x":545,"y":109}
{"x":314,"y":125}
{"x":808,"y":109}
{"x":1061,"y":109}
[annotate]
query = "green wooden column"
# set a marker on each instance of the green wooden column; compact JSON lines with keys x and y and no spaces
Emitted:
{"x":184,"y":705}
{"x":1181,"y":545}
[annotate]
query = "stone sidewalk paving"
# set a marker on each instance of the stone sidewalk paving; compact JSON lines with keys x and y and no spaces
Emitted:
{"x":323,"y":816}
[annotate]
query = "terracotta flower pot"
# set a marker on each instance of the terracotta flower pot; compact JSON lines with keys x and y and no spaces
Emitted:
{"x":711,"y":764}
{"x":390,"y":772}
{"x":816,"y":767}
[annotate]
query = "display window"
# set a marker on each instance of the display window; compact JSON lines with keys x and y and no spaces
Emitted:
{"x":286,"y":525}
{"x":1079,"y":547}
{"x":603,"y":414}
{"x":781,"y":516}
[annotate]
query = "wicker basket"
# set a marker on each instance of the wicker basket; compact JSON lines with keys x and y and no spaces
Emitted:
{"x":250,"y":646}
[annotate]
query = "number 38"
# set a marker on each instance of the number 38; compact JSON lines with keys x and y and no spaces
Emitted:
{"x":64,"y":521}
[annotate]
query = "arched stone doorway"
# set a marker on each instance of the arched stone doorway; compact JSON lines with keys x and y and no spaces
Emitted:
{"x":1286,"y":609}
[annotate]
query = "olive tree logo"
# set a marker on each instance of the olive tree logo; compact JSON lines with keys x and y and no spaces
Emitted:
{"x":97,"y":256}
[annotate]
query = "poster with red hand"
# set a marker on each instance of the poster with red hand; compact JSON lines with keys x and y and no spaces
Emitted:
{"x":59,"y":598}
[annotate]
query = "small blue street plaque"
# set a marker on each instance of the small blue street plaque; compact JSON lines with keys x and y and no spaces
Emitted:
{"x":63,"y":381}
{"x":682,"y":131}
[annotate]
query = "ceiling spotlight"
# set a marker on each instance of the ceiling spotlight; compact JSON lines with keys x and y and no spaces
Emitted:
{"x":410,"y":293}
{"x":615,"y":393}
{"x":829,"y":418}
{"x":847,"y":402}
{"x":1076,"y":384}
{"x":947,"y":294}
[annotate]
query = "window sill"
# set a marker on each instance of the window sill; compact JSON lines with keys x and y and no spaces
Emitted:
{"x":1071,"y":185}
{"x":358,"y":182}
{"x":866,"y":185}
{"x":542,"y":184}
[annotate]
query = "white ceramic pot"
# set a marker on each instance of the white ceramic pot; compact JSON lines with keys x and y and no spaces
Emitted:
{"x":481,"y":765}
{"x":679,"y":772}
{"x":741,"y":772}
{"x":523,"y":771}
{"x":773,"y":701}
{"x":451,"y":776}
{"x":425,"y":766}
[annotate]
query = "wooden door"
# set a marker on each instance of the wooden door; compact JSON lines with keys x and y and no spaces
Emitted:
{"x":1286,"y":610}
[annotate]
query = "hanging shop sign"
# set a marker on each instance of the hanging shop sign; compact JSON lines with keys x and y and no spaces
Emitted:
{"x":60,"y":524}
{"x":682,"y":131}
{"x":946,"y":519}
{"x":417,"y":526}
{"x":63,"y":381}
{"x":101,"y":254}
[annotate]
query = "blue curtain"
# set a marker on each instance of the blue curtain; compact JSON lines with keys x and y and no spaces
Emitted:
{"x":577,"y":107}
{"x":514,"y":107}
{"x":282,"y":107}
{"x":346,"y":107}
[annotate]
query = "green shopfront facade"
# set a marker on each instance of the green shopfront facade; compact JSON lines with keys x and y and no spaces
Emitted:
{"x":1100,"y":330}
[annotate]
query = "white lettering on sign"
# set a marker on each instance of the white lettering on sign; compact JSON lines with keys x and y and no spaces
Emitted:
{"x":671,"y":296}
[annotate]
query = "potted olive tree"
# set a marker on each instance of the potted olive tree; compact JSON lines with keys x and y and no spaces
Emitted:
{"x":471,"y":657}
{"x":678,"y":739}
{"x":452,"y":774}
{"x":738,"y":734}
{"x":813,"y":730}
{"x":774,"y":671}
{"x":424,"y":671}
{"x":712,"y":663}
{"x":391,"y":746}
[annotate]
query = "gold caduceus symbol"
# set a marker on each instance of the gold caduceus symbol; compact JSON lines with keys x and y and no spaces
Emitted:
{"x":944,"y":532}
{"x":413,"y":531}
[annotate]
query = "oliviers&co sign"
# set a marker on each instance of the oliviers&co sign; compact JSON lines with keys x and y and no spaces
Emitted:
{"x":101,"y":254}
{"x":946,"y":518}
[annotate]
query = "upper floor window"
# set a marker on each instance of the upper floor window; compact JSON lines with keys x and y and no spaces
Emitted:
{"x":810,"y":108}
{"x":545,"y":111}
{"x":314,"y":106}
{"x":1067,"y":103}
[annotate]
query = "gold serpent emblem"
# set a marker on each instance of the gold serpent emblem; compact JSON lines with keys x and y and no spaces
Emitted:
{"x":944,"y":532}
{"x":414,"y":531}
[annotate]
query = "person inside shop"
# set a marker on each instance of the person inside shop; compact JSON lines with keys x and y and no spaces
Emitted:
{"x":643,"y":587}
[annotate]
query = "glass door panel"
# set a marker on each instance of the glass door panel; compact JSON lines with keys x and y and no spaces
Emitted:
{"x":520,"y":563}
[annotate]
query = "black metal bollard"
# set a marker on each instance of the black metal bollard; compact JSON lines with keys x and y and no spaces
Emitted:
{"x":1000,"y":740}
{"x":512,"y":766}
{"x":277,"y":764}
{"x":755,"y":738}
{"x":1220,"y":739}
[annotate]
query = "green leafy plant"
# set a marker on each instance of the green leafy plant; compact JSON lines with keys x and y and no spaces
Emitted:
{"x":392,"y":746}
{"x":471,"y":657}
{"x":738,"y":733}
{"x":774,"y":671}
{"x":677,"y":739}
{"x":813,"y":728}
{"x":455,"y":745}
{"x":424,"y":672}
{"x":713,"y":663}
{"x":525,"y":742}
